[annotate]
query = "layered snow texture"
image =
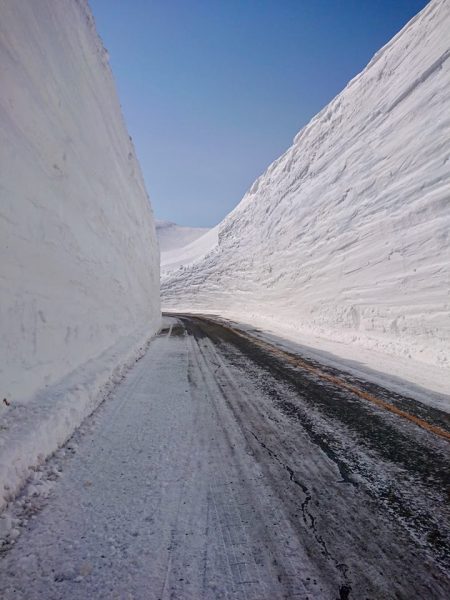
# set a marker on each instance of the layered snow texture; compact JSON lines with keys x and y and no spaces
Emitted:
{"x":79,"y":261}
{"x":346,"y":236}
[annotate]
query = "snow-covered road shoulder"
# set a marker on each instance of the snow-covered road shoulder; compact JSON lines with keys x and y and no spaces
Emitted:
{"x":31,"y":432}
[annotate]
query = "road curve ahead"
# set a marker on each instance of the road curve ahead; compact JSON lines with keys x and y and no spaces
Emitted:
{"x":224,"y":468}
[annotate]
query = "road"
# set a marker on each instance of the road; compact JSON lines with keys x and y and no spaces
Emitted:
{"x":223,"y":468}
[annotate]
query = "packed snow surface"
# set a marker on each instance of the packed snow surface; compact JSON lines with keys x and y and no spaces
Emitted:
{"x":79,"y":272}
{"x":344,"y":240}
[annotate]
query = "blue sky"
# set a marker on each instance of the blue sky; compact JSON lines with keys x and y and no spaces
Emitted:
{"x":213,"y":91}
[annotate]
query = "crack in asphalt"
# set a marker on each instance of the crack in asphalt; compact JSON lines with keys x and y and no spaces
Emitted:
{"x":376,"y":430}
{"x":291,"y":410}
{"x":345,"y":588}
{"x":362,"y":440}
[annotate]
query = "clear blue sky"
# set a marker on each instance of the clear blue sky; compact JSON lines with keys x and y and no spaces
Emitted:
{"x":214,"y":90}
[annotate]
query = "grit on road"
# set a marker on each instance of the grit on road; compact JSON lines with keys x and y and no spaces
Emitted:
{"x":219,"y":470}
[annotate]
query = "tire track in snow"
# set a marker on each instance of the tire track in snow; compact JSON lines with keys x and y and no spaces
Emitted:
{"x":207,"y":482}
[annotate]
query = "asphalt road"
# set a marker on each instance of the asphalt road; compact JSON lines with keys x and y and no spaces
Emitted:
{"x":224,"y":468}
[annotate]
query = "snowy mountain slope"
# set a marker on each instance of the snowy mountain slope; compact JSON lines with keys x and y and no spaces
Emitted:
{"x":79,"y":273}
{"x":171,"y":236}
{"x":180,"y":245}
{"x":176,"y":257}
{"x":345,"y":238}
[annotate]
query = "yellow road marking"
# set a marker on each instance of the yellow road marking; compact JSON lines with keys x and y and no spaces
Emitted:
{"x":298,"y":362}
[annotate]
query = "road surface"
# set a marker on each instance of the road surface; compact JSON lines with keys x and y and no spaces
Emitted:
{"x":222,"y":468}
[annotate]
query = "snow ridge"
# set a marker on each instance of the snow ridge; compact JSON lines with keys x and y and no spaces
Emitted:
{"x":345,"y":238}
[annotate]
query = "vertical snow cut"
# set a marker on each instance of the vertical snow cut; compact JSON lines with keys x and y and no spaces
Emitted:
{"x":79,"y":260}
{"x":345,"y":238}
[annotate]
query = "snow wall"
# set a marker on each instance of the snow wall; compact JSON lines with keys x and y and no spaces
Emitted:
{"x":79,"y":261}
{"x":346,"y":236}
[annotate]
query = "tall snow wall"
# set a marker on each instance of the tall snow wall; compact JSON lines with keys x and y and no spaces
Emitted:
{"x":346,"y":236}
{"x":79,"y":261}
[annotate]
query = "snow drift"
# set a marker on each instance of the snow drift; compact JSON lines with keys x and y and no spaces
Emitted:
{"x":345,"y":237}
{"x":79,"y":274}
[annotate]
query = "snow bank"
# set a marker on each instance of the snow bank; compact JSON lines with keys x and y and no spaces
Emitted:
{"x":345,"y":237}
{"x":79,"y":273}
